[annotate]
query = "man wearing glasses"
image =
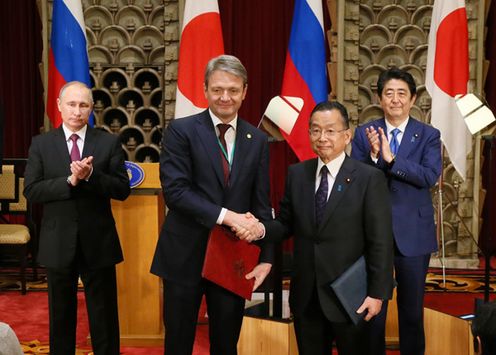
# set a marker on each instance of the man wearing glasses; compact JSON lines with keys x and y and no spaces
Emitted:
{"x":337,"y":209}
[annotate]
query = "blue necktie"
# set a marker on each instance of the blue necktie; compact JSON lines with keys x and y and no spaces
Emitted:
{"x":394,"y":144}
{"x":321,"y":195}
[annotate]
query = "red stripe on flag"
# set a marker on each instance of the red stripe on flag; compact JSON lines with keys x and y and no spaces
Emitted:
{"x":54,"y":85}
{"x":451,"y":61}
{"x":294,"y":85}
{"x":195,"y":52}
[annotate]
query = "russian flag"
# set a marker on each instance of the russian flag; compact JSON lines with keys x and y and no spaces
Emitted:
{"x":201,"y":40}
{"x":68,"y":55}
{"x":305,"y":72}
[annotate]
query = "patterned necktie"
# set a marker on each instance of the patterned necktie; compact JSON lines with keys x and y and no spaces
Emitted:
{"x":321,"y":195}
{"x":225,"y":163}
{"x":394,"y":144}
{"x":75,"y":154}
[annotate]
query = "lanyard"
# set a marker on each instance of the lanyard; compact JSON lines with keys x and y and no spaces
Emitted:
{"x":229,"y":161}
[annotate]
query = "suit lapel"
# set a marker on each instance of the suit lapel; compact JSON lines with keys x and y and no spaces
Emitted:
{"x":382,"y":123}
{"x":411,"y":137}
{"x":207,"y":136}
{"x":89,"y":143}
{"x":343,"y":181}
{"x":61,"y":147}
{"x":243,"y":142}
{"x":308,"y":190}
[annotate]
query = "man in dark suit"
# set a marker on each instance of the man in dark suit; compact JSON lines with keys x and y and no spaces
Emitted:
{"x":408,"y":152}
{"x":78,"y":235}
{"x":214,"y":167}
{"x":337,"y":209}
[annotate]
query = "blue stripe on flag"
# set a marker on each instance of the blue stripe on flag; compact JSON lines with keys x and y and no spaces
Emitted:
{"x":69,"y":45}
{"x":306,"y":48}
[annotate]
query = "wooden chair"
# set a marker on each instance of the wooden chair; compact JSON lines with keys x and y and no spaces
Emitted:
{"x":16,"y":239}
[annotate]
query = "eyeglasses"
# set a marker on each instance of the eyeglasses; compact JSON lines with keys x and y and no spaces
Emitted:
{"x":316,"y":133}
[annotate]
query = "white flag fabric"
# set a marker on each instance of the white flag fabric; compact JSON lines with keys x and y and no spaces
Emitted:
{"x":201,"y":40}
{"x":447,"y":76}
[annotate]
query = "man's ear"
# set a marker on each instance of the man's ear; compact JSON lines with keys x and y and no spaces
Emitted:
{"x":477,"y":346}
{"x":58,"y":105}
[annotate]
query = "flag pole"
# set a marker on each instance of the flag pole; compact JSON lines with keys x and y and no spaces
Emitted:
{"x":440,"y":220}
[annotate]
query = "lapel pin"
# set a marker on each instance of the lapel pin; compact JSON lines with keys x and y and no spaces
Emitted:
{"x":348,"y":180}
{"x":248,"y":135}
{"x":415,"y":136}
{"x":340,"y":188}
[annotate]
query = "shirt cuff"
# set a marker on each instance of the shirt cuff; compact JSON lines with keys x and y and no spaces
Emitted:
{"x":89,"y":175}
{"x":222,"y":214}
{"x":263,"y":234}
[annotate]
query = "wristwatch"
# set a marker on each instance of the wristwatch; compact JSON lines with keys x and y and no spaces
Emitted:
{"x":69,"y":181}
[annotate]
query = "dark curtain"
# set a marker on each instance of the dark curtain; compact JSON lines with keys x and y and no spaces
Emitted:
{"x":21,"y":89}
{"x":257,"y":32}
{"x":487,"y":239}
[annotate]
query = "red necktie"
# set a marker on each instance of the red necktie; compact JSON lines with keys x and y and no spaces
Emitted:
{"x":225,"y":163}
{"x":75,"y":154}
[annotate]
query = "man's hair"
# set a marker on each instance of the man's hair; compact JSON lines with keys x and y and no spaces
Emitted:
{"x":398,"y":74}
{"x":484,"y":326}
{"x":329,"y":106}
{"x":227,"y":63}
{"x":75,"y":83}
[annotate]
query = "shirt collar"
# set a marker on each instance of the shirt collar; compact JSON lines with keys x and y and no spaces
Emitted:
{"x":216,"y":120}
{"x":81,"y":133}
{"x":333,"y":166}
{"x":401,"y":127}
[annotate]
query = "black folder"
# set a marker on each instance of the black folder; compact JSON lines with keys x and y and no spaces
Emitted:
{"x":351,"y":288}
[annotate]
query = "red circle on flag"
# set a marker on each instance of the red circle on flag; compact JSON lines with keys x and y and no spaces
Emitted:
{"x":451,"y":61}
{"x":201,"y":40}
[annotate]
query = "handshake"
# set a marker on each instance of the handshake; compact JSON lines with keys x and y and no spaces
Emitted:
{"x":245,"y":225}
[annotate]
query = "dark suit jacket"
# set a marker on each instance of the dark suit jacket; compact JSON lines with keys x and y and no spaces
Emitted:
{"x":193,"y":185}
{"x":417,"y":167}
{"x":83,"y":211}
{"x":357,"y":221}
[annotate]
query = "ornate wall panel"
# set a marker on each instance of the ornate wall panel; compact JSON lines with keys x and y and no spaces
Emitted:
{"x":126,"y":51}
{"x":171,"y":55}
{"x":395,"y":33}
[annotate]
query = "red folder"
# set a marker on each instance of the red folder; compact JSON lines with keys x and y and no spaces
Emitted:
{"x":228,"y":259}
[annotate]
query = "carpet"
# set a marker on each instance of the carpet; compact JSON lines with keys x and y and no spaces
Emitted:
{"x":28,"y":315}
{"x":459,"y":281}
{"x":9,"y":280}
